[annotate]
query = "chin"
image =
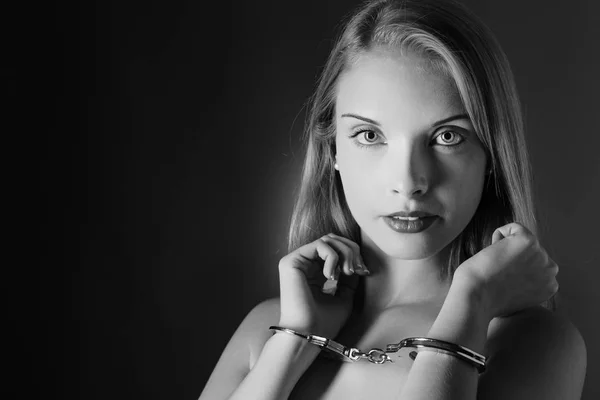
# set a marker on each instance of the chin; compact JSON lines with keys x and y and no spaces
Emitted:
{"x":410,"y":249}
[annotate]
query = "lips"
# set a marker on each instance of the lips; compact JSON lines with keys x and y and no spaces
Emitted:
{"x":410,"y":221}
{"x":411,"y":214}
{"x":410,"y":224}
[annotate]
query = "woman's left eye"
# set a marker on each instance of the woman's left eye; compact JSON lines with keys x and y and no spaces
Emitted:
{"x":449,"y":138}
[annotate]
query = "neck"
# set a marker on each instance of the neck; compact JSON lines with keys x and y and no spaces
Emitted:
{"x":394,"y":282}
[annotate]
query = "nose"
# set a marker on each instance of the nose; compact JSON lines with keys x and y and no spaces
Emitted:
{"x":408,"y":170}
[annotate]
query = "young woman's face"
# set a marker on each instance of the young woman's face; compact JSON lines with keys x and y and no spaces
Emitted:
{"x":404,"y":143}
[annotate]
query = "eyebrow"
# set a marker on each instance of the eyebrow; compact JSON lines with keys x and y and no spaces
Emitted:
{"x":442,"y":121}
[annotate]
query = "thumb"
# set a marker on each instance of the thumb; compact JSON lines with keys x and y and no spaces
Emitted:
{"x":504,"y":231}
{"x":497,"y":235}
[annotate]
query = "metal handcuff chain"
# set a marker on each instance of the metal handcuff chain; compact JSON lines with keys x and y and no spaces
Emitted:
{"x":376,"y":356}
{"x":379,"y":356}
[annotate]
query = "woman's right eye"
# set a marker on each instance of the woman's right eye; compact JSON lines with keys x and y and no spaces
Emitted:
{"x":366,"y":138}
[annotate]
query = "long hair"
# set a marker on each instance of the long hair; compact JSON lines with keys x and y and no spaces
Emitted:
{"x":457,"y":43}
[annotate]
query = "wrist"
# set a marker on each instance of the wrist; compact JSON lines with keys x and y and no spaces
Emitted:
{"x":464,"y":318}
{"x":310,"y":329}
{"x":298,"y":350}
{"x":469,"y":291}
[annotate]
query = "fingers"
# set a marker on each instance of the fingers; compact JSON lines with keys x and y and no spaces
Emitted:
{"x":331,"y":258}
{"x":339,"y":256}
{"x":360,"y":266}
{"x":345,"y":261}
{"x":350,"y":258}
{"x":511,"y":229}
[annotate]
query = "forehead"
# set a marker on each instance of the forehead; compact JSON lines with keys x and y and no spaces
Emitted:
{"x":385,"y":85}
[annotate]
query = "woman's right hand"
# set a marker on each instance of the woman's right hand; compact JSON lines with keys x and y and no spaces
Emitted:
{"x":302,"y":273}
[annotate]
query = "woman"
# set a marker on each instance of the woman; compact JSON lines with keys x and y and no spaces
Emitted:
{"x":415,"y":219}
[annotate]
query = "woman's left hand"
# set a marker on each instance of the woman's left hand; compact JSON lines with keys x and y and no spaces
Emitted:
{"x":511,"y":274}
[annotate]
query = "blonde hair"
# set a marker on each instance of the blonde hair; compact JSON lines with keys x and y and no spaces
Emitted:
{"x":456,"y":42}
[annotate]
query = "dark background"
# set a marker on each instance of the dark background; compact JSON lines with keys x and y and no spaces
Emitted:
{"x":161,"y":144}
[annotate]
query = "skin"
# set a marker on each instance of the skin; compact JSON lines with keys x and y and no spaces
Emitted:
{"x":489,"y":306}
{"x":410,"y":163}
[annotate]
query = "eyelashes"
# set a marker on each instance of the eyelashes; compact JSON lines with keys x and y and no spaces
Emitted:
{"x":453,"y":134}
{"x":446,"y":138}
{"x":361,"y":134}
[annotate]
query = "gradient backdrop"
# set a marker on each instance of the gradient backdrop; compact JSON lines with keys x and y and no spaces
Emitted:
{"x":171,"y":159}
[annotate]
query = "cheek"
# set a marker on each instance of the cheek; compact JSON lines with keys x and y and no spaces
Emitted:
{"x":466,"y":186}
{"x":356,"y":174}
{"x":356,"y":181}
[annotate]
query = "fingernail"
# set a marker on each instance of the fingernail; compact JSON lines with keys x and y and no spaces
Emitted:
{"x":336,"y":273}
{"x":362,"y":267}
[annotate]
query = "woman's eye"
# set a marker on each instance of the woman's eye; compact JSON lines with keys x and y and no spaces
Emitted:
{"x":366,"y":137}
{"x":449,"y":138}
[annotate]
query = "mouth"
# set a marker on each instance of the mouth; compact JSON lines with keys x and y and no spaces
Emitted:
{"x":410,"y":222}
{"x":405,"y":218}
{"x":410,"y":215}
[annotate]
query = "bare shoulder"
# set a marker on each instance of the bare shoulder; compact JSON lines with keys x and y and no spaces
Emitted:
{"x":538,"y":328}
{"x":534,"y":354}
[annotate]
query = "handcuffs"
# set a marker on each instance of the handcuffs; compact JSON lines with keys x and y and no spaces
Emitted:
{"x":379,"y":356}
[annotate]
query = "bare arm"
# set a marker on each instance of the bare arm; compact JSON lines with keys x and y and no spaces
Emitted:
{"x":256,"y":365}
{"x":532,"y":355}
{"x":536,"y":354}
{"x":303,"y":307}
{"x":548,"y":363}
{"x":280,"y":365}
{"x":440,"y":376}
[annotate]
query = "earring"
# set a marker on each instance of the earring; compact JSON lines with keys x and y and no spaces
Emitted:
{"x":336,"y":166}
